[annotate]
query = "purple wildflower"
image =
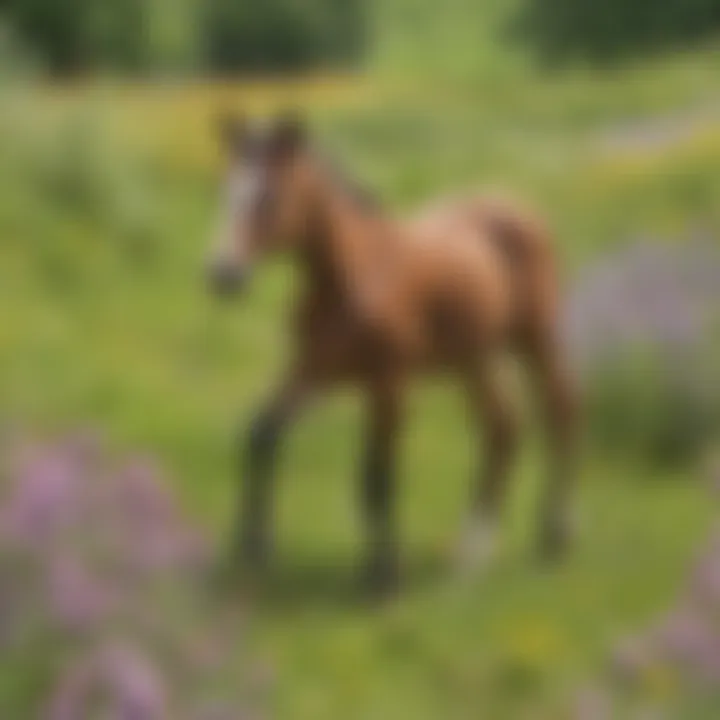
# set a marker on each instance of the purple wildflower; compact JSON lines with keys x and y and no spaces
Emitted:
{"x":713,"y":476}
{"x":45,"y":502}
{"x":137,"y":690}
{"x":593,"y":703}
{"x":684,"y":637}
{"x":218,"y":711}
{"x":76,"y":598}
{"x":658,"y":295}
{"x":118,"y":675}
{"x":68,"y":699}
{"x":90,"y":549}
{"x":631,"y":659}
{"x":704,"y":583}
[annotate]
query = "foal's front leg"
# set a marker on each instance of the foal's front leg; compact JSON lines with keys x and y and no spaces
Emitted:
{"x":378,"y":486}
{"x":252,"y":530}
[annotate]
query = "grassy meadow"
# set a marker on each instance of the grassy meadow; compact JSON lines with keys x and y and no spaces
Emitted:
{"x":107,"y":199}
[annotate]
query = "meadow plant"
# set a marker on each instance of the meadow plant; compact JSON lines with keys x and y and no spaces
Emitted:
{"x":671,"y":669}
{"x":102,"y":602}
{"x":642,"y":327}
{"x":68,"y":171}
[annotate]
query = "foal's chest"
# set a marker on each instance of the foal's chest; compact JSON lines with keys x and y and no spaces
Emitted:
{"x":341,"y":344}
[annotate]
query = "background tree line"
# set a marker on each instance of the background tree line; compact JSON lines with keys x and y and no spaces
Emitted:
{"x":608,"y":30}
{"x":224,"y":36}
{"x":75,"y":36}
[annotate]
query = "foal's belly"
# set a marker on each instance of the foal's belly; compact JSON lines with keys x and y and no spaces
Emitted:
{"x":440,"y":340}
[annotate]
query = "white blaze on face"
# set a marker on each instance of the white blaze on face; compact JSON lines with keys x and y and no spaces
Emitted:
{"x":232,"y":246}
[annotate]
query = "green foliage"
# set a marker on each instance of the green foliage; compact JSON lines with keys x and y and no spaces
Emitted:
{"x":613,"y":28}
{"x":71,"y":35}
{"x":282,"y":34}
{"x":74,"y":36}
{"x":73,"y":173}
{"x":636,"y":408}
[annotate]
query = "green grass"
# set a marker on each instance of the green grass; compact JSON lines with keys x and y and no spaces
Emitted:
{"x":140,"y":352}
{"x":101,"y":331}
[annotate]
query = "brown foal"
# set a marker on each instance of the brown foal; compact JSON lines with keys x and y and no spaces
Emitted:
{"x":452,"y":289}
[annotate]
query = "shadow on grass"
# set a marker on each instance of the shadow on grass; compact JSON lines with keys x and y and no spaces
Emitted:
{"x":309,"y":584}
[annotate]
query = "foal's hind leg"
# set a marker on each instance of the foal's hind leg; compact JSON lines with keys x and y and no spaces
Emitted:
{"x":252,"y":525}
{"x":378,"y":485}
{"x":494,"y":414}
{"x":560,"y":409}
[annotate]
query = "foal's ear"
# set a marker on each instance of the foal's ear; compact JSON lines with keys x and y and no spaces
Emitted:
{"x":232,"y":130}
{"x":289,"y":133}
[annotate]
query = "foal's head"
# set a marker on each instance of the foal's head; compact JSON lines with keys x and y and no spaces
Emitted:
{"x":267,"y":196}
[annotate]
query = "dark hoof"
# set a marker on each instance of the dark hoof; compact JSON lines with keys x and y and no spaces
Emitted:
{"x":381,"y":580}
{"x":555,"y":541}
{"x":250,"y":555}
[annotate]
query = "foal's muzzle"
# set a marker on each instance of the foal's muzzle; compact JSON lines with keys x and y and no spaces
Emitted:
{"x":226,"y":280}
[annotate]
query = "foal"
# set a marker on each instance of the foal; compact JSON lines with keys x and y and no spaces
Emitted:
{"x":450,"y":290}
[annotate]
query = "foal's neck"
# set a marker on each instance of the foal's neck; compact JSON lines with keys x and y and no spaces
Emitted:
{"x":348,"y":239}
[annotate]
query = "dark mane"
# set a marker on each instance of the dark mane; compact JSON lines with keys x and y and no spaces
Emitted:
{"x":366,"y":198}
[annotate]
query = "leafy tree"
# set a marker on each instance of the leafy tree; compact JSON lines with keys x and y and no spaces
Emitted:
{"x":611,"y":29}
{"x":73,"y":36}
{"x":282,"y":34}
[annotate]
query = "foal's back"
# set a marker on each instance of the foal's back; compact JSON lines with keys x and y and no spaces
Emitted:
{"x":484,"y":270}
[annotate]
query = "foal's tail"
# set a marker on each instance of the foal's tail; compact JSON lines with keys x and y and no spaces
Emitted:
{"x":520,"y":234}
{"x":525,"y":242}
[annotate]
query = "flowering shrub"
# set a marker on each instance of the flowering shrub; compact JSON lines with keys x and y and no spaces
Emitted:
{"x":642,"y":327}
{"x":100,"y":609}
